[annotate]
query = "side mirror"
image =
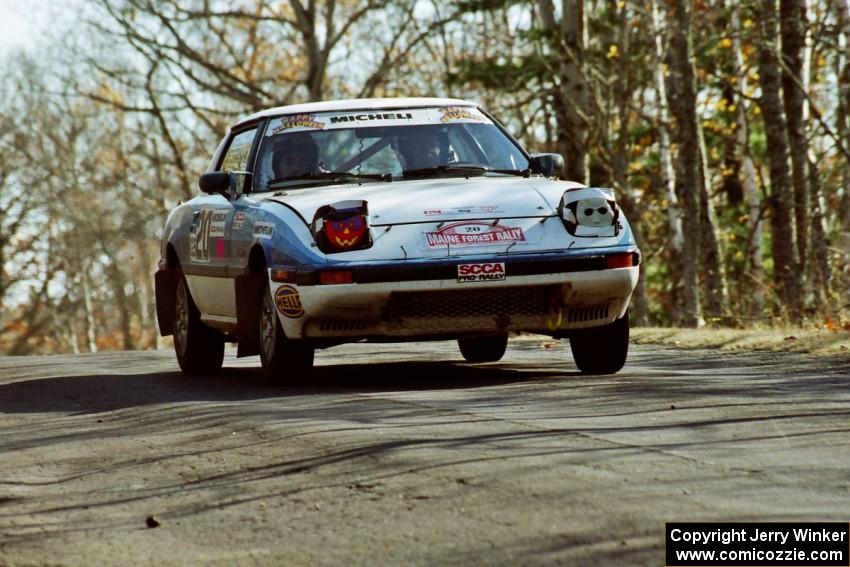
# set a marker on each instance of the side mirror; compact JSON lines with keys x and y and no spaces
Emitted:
{"x":215,"y":182}
{"x":549,"y":165}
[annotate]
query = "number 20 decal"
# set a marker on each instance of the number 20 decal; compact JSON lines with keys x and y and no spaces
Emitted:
{"x":199,"y":249}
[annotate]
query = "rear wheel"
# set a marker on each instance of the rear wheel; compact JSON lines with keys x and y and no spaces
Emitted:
{"x":483,"y":349}
{"x":199,"y":349}
{"x":602,"y":350}
{"x":282,"y":358}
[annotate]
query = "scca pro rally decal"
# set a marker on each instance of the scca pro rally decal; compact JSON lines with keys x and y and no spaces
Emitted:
{"x":288,"y":302}
{"x":483,"y":272}
{"x":473,"y":234}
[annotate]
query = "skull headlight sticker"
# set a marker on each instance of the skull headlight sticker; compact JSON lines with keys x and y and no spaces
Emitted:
{"x":590,"y":212}
{"x":594,"y":212}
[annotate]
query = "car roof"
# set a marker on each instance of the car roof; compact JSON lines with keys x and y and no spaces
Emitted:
{"x":357,"y":104}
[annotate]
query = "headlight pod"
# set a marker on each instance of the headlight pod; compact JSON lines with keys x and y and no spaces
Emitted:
{"x":342,"y":226}
{"x":590,"y":212}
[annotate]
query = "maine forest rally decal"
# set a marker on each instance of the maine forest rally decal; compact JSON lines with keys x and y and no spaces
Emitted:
{"x":473,"y":234}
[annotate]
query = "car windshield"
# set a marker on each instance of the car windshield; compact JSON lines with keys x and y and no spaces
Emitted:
{"x":306,"y":150}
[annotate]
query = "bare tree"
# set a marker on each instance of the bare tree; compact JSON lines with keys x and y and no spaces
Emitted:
{"x":842,"y":8}
{"x":570,"y":97}
{"x":792,"y":24}
{"x":753,"y":281}
{"x":676,"y":238}
{"x":783,"y":246}
{"x":682,"y":98}
{"x":713,"y":277}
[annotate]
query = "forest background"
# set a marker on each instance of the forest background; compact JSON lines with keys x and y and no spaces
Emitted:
{"x":724,"y":128}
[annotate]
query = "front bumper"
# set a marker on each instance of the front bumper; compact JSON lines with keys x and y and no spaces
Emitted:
{"x":546,"y":293}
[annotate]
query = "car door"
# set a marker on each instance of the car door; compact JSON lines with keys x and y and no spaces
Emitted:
{"x":212,"y":279}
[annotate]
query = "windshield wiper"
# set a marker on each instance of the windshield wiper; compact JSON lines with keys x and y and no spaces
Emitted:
{"x":517,"y":172}
{"x":334,"y":176}
{"x":462,"y":169}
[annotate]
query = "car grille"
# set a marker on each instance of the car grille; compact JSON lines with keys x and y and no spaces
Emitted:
{"x":591,"y":313}
{"x":329,"y":325}
{"x":472,"y":303}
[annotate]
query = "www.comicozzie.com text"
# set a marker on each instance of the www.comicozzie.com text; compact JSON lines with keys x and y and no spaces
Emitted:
{"x":743,"y":534}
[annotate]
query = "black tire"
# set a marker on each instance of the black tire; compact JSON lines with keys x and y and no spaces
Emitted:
{"x":602,"y":350}
{"x":199,"y":348}
{"x":483,"y":349}
{"x":282,"y":358}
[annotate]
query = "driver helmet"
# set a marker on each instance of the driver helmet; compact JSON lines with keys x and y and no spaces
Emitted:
{"x":294,"y":154}
{"x":424,"y":147}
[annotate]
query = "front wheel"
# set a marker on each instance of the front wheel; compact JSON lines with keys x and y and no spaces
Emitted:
{"x":199,"y":349}
{"x":281,"y":357}
{"x":602,"y":350}
{"x":483,"y":349}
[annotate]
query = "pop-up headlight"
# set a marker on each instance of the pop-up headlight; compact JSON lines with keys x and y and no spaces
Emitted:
{"x":342,"y":226}
{"x":590,"y":211}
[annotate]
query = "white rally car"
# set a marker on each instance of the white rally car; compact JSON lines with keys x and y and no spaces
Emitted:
{"x":390,"y":220}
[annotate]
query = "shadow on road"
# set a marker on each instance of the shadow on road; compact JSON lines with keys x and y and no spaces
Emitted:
{"x":96,"y":393}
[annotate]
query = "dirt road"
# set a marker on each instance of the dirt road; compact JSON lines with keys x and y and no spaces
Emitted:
{"x":401,"y":454}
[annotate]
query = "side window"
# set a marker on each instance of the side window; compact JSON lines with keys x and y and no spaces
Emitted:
{"x":236,"y":158}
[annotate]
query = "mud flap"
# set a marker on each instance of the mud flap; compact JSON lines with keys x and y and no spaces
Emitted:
{"x":248,"y":295}
{"x":165,"y":286}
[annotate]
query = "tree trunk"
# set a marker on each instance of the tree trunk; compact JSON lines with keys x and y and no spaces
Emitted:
{"x":711,"y":256}
{"x":783,"y":246}
{"x":821,"y":270}
{"x":843,"y":10}
{"x":91,"y":331}
{"x":682,"y":100}
{"x":316,"y":56}
{"x":792,"y":30}
{"x":675,"y":237}
{"x":570,"y":98}
{"x":117,"y":283}
{"x":147,"y":292}
{"x":755,"y":281}
{"x":622,"y":93}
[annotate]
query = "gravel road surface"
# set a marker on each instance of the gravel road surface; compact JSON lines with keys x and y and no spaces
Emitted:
{"x":405,"y":455}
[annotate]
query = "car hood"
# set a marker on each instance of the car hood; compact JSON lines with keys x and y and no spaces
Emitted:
{"x":436,"y":200}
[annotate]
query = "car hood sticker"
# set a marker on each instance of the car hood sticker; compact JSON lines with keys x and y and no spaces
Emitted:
{"x":288,"y":302}
{"x":474,"y":234}
{"x":263,"y":230}
{"x":373,"y":118}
